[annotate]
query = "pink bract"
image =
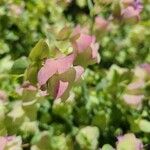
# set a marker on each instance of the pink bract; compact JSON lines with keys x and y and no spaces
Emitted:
{"x":53,"y":66}
{"x":146,"y":67}
{"x":85,"y":47}
{"x":133,"y":99}
{"x":130,"y":13}
{"x":129,"y":138}
{"x":60,"y":75}
{"x":79,"y":72}
{"x":4,"y":141}
{"x":60,"y":89}
{"x":101,"y":23}
{"x":83,"y":42}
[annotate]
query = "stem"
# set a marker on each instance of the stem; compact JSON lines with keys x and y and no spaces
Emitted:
{"x":91,"y":6}
{"x":25,"y":145}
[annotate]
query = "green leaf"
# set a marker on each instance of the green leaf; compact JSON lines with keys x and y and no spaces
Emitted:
{"x":31,"y":74}
{"x":30,"y":108}
{"x":29,"y":127}
{"x":63,"y":110}
{"x":59,"y":143}
{"x":84,"y":58}
{"x":64,"y":33}
{"x":40,"y":51}
{"x":100,"y":120}
{"x":87,"y":138}
{"x":144,"y":125}
{"x":20,"y":65}
{"x":107,"y":147}
{"x":116,"y":9}
{"x":44,"y":141}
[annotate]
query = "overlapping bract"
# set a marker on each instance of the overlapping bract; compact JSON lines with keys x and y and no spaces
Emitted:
{"x":85,"y":47}
{"x":101,"y":23}
{"x":61,"y":73}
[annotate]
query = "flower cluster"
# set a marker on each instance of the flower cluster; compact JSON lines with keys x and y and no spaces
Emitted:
{"x":59,"y":74}
{"x":131,"y":10}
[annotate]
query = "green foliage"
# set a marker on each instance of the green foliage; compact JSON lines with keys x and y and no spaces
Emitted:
{"x":112,"y":101}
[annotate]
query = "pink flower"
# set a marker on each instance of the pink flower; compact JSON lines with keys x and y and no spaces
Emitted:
{"x":138,"y":5}
{"x":133,"y":100}
{"x":54,"y":66}
{"x":101,"y":23}
{"x":132,"y":10}
{"x":4,"y":141}
{"x":146,"y":67}
{"x":59,"y":75}
{"x":129,"y":142}
{"x":130,"y":13}
{"x":85,"y":48}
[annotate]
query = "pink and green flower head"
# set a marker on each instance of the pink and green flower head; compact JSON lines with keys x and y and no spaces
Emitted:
{"x":59,"y":75}
{"x":85,"y":48}
{"x":4,"y":141}
{"x":132,"y":10}
{"x":129,"y":142}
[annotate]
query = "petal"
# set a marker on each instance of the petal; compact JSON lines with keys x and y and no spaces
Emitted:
{"x":136,"y":85}
{"x":68,"y":76}
{"x":138,"y":5}
{"x":130,"y":12}
{"x":79,"y":30}
{"x":95,"y":48}
{"x":60,"y":89}
{"x":3,"y":142}
{"x":133,"y":99}
{"x":84,"y":58}
{"x":53,"y":83}
{"x":79,"y":72}
{"x":100,"y":23}
{"x":146,"y":67}
{"x":129,"y":141}
{"x":83,"y":42}
{"x":47,"y":71}
{"x":64,"y":63}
